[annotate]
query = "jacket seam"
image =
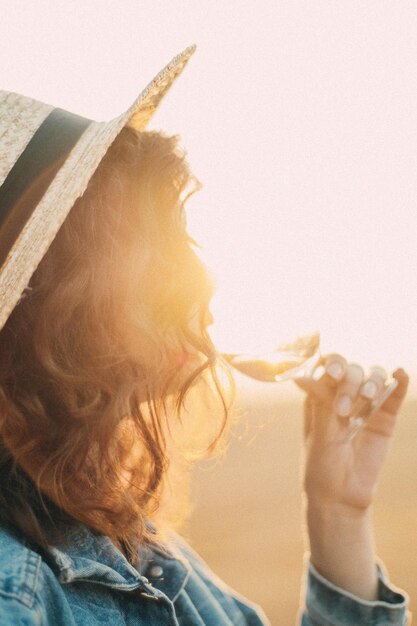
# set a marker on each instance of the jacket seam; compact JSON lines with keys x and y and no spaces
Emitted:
{"x":33,"y":567}
{"x":24,"y":582}
{"x":34,"y":606}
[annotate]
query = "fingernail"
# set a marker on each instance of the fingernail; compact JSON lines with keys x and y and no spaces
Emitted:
{"x":356,"y":422}
{"x":318,"y":373}
{"x":335,"y":370}
{"x":369,"y":390}
{"x":344,"y":406}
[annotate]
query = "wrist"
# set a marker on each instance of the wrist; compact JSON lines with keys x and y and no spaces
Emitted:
{"x":336,"y":525}
{"x":342,"y":547}
{"x":328,"y":512}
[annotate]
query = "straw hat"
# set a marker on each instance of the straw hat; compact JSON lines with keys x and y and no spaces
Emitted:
{"x":47,"y":157}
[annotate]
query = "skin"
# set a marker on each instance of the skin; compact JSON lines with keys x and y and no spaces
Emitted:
{"x":341,"y":474}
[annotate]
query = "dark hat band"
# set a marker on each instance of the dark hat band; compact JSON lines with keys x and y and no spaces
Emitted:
{"x":34,"y":170}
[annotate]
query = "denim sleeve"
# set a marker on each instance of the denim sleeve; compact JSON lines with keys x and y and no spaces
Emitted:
{"x":329,"y":605}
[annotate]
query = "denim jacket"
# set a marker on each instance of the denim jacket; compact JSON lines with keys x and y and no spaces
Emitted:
{"x":89,"y":582}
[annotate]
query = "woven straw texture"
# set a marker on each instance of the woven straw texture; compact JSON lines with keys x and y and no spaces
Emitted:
{"x":20,"y":117}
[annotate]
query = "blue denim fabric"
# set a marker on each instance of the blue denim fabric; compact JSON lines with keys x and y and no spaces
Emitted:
{"x":328,"y":605}
{"x":88,"y":582}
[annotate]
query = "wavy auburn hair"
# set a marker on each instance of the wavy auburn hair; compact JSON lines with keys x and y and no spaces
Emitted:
{"x":101,"y":352}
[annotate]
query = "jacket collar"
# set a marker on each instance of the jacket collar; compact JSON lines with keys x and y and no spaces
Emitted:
{"x":87,"y":556}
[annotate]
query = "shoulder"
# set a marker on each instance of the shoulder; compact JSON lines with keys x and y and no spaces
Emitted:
{"x":23,"y":574}
{"x":19,"y":568}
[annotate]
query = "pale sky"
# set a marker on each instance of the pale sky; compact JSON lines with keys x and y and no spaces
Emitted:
{"x":300,"y":119}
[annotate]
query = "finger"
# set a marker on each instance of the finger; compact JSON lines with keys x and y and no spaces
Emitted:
{"x":378,"y":371}
{"x":304,"y":383}
{"x":371,"y":388}
{"x":335,"y":366}
{"x":383,"y":420}
{"x":332,"y":366}
{"x":314,"y":424}
{"x":308,"y":415}
{"x":348,"y":390}
{"x":334,"y":369}
{"x":393,"y":403}
{"x":388,"y":389}
{"x":329,"y":371}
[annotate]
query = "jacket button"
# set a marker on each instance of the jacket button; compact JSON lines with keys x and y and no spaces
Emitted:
{"x":156,"y":571}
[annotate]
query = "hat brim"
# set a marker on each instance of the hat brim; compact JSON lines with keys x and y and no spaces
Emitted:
{"x":70,"y":183}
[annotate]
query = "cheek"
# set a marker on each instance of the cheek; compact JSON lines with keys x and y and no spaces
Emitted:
{"x":187,"y":363}
{"x":181,"y":358}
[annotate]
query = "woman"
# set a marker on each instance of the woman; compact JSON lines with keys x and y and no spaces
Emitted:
{"x":110,"y":386}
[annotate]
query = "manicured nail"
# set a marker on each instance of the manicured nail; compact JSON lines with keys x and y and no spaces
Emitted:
{"x":318,"y":373}
{"x":344,"y":406}
{"x":369,"y":390}
{"x":356,"y":422}
{"x":335,"y":371}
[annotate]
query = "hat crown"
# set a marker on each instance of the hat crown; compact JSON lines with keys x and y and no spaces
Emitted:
{"x":52,"y":154}
{"x":20,"y":117}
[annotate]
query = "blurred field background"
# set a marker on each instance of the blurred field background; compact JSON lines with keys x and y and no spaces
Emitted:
{"x":247,"y":520}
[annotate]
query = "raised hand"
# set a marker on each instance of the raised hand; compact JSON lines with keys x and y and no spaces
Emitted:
{"x":341,"y":472}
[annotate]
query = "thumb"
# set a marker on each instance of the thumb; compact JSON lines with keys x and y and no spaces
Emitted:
{"x":394,"y":401}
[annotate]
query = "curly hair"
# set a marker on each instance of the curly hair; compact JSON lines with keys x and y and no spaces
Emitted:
{"x":101,"y":352}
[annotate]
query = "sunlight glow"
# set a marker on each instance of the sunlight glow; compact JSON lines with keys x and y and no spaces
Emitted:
{"x":301,"y":127}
